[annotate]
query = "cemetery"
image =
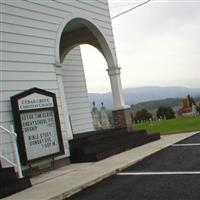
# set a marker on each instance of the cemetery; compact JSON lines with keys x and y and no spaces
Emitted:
{"x":171,"y":126}
{"x":187,"y":119}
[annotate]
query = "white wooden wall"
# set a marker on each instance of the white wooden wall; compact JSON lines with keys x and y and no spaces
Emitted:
{"x":27,"y":51}
{"x":76,"y":93}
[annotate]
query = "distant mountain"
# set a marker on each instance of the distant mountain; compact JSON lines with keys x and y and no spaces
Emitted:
{"x":142,"y":94}
{"x":154,"y":104}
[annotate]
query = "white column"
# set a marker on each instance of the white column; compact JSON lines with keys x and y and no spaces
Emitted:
{"x":58,"y":69}
{"x":116,"y":86}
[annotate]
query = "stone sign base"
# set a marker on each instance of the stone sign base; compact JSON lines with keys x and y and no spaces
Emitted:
{"x":122,"y":119}
{"x":45,"y":166}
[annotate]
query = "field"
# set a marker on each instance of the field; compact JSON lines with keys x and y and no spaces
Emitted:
{"x":179,"y":125}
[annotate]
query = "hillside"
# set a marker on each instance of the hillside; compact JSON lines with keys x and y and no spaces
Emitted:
{"x":151,"y":105}
{"x":143,"y":94}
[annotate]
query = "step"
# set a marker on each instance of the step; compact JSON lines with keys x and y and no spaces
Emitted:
{"x":76,"y":142}
{"x":79,"y":144}
{"x":122,"y":145}
{"x":7,"y":175}
{"x":104,"y":149}
{"x":16,"y":186}
{"x":119,"y":135}
{"x":110,"y":133}
{"x":77,"y":148}
{"x":96,"y":139}
{"x":112,"y":151}
{"x":111,"y":142}
{"x":153,"y":137}
{"x":95,"y":133}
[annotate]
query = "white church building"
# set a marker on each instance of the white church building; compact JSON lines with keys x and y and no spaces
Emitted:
{"x":40,"y":49}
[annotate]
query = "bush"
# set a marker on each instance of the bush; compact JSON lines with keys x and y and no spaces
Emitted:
{"x":198,"y":108}
{"x":142,"y":115}
{"x":165,"y":112}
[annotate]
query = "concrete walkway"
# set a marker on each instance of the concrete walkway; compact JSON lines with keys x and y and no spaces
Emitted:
{"x":73,"y":178}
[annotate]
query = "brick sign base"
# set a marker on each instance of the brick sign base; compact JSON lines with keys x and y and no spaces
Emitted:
{"x":122,"y":119}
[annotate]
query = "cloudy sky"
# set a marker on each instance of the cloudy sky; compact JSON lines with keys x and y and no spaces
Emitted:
{"x":157,"y":44}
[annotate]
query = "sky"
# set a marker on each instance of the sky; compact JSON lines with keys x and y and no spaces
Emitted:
{"x":157,"y":44}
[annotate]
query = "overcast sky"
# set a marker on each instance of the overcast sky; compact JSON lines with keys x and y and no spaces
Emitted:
{"x":157,"y":44}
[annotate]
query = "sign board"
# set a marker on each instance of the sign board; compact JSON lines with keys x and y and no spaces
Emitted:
{"x":37,"y":125}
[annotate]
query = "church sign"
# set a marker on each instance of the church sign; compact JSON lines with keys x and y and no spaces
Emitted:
{"x":37,"y":124}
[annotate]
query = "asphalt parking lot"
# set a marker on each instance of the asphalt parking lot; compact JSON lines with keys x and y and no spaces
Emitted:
{"x":170,"y":174}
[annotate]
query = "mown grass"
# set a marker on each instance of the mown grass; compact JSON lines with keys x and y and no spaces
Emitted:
{"x":164,"y":127}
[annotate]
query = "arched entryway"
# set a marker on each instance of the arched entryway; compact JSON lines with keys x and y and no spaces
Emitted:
{"x":77,"y":30}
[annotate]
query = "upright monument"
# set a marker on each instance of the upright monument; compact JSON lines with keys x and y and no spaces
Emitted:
{"x":186,"y":105}
{"x":96,"y":117}
{"x":104,"y":117}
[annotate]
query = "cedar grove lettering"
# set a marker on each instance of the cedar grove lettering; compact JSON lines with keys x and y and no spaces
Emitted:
{"x":35,"y":103}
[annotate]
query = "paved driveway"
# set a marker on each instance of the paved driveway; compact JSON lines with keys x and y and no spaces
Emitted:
{"x":171,"y":174}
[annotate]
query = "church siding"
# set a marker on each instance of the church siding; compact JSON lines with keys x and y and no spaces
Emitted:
{"x":27,"y":52}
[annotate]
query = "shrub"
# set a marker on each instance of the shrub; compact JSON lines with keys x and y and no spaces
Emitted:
{"x":142,"y":115}
{"x":165,"y":112}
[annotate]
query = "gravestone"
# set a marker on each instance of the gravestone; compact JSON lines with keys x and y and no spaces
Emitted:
{"x":194,"y":110}
{"x":186,"y":105}
{"x":104,"y":117}
{"x":96,"y":117}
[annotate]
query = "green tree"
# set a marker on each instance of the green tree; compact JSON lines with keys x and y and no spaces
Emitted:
{"x":198,"y":108}
{"x":165,"y":112}
{"x":191,"y":100}
{"x":142,"y":115}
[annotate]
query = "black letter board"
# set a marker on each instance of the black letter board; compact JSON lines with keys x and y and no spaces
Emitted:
{"x":37,"y":124}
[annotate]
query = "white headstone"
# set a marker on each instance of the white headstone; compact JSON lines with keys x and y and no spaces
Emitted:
{"x":96,"y":117}
{"x":194,"y":110}
{"x":104,"y":117}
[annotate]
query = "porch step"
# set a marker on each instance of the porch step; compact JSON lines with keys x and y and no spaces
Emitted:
{"x":16,"y":186}
{"x":10,"y":184}
{"x":7,"y":176}
{"x":95,"y":146}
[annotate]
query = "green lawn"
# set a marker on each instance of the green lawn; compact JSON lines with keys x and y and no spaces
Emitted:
{"x":179,"y":125}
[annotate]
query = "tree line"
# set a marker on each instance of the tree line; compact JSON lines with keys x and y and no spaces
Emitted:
{"x":162,"y":112}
